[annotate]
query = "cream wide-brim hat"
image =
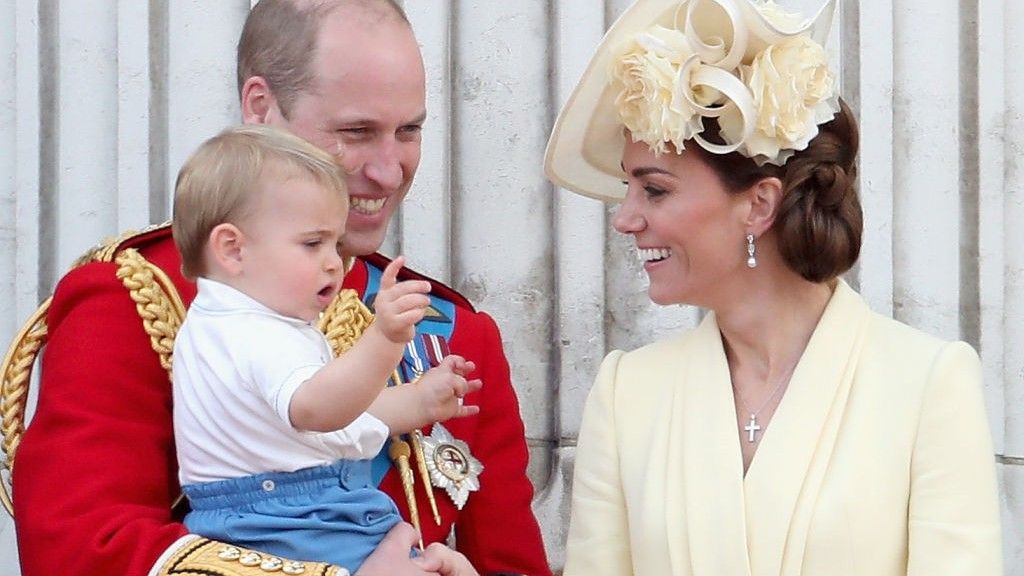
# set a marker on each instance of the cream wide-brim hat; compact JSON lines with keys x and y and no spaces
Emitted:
{"x":584,"y":152}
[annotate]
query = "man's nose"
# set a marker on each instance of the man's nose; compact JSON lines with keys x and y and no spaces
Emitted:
{"x":385,"y":168}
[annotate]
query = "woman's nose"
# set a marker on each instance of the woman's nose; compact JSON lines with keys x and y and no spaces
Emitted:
{"x":627,"y":218}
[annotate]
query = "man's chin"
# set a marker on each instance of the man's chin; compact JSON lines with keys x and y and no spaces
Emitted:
{"x":363,"y":244}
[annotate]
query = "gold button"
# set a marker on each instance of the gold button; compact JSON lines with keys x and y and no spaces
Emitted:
{"x":271,"y":564}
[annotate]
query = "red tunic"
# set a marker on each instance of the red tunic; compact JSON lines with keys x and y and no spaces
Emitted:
{"x":95,"y":475}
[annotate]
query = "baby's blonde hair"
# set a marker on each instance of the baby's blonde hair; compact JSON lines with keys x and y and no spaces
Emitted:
{"x":219,"y":182}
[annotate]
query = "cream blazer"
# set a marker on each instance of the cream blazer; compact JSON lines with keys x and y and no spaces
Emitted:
{"x":877,"y":462}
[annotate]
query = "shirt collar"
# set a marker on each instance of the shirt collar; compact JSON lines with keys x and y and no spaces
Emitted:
{"x":215,"y":297}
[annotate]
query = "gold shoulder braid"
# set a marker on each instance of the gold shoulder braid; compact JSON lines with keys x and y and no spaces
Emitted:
{"x":345,"y":320}
{"x":156,"y":301}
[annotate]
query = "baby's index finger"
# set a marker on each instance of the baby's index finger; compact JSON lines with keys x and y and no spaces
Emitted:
{"x":390,"y":275}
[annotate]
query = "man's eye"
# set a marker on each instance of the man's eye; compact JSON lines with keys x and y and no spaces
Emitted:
{"x":410,"y":133}
{"x":312,"y":243}
{"x":357,"y":131}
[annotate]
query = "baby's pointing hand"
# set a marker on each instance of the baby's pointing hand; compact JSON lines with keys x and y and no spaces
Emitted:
{"x":400,"y":305}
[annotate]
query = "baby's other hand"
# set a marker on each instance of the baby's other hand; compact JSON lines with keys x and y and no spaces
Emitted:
{"x":443,"y":387}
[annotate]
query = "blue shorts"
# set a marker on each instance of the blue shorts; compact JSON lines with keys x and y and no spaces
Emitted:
{"x":325,"y":514}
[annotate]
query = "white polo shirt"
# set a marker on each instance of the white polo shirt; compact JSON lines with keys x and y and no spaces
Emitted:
{"x":236,"y":366}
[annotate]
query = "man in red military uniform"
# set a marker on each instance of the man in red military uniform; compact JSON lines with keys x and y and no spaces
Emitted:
{"x":95,"y":478}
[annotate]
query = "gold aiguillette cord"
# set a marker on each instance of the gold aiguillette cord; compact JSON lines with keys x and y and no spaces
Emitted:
{"x":421,"y":463}
{"x":399,"y":452}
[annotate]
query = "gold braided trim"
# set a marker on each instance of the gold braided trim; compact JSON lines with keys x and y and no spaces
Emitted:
{"x":17,"y":375}
{"x":345,"y":320}
{"x":156,"y":301}
{"x":202,"y":557}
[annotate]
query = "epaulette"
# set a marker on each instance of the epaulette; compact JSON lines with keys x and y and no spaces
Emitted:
{"x":107,"y":249}
{"x":438,"y":288}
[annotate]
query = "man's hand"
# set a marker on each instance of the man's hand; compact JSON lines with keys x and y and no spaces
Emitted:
{"x":398,"y":306}
{"x":445,"y":561}
{"x":392,"y":557}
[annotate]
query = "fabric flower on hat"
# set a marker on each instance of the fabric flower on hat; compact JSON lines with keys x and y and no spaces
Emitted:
{"x":653,"y":103}
{"x":793,"y":92}
{"x":768,"y":86}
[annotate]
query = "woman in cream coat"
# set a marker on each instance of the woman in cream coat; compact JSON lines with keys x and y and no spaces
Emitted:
{"x":795,"y":431}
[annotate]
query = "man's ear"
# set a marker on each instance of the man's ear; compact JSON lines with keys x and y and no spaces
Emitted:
{"x":258,"y":102}
{"x":765,"y":197}
{"x":225,"y":246}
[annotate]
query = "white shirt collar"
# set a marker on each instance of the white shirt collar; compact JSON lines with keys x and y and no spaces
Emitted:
{"x":215,"y":297}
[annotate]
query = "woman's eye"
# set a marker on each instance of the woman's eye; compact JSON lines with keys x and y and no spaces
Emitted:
{"x":312,"y":243}
{"x":654,"y":191}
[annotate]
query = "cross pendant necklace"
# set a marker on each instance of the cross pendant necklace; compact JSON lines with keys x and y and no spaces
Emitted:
{"x":752,"y":428}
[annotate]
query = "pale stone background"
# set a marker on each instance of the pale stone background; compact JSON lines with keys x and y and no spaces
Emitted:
{"x":101,"y":101}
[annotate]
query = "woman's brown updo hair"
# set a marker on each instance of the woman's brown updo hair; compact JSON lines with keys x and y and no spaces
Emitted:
{"x":819,"y":222}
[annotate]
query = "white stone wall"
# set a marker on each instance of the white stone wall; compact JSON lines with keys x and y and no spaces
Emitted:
{"x":103,"y":99}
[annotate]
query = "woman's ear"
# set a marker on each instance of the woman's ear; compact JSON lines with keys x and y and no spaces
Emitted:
{"x":765,"y":197}
{"x":225,"y":246}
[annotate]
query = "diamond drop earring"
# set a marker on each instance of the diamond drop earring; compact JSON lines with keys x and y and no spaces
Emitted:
{"x":751,"y":260}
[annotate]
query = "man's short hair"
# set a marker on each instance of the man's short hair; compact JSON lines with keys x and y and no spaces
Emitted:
{"x":219,"y":182}
{"x":279,"y":42}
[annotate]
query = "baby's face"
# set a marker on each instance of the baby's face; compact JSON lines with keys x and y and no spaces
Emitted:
{"x":291,"y":259}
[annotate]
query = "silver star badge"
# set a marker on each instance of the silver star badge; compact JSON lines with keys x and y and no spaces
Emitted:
{"x":450,"y":464}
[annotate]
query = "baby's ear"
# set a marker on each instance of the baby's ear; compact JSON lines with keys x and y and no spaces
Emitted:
{"x":224,"y":248}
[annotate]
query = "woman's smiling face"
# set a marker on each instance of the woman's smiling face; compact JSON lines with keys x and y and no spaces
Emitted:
{"x":688,"y":228}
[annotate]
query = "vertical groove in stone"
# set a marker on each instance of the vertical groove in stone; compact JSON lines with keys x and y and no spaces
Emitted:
{"x":970,"y":299}
{"x":159,"y":195}
{"x":49,"y":141}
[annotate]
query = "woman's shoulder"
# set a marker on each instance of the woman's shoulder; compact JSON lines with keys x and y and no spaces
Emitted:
{"x":898,"y":356}
{"x":658,"y":363}
{"x":897,"y":339}
{"x":671,"y":346}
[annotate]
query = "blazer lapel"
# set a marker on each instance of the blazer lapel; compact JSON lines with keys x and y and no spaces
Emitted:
{"x":708,"y":471}
{"x":786,"y":474}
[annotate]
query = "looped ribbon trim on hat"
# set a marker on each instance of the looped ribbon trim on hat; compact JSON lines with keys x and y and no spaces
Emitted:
{"x":715,"y":54}
{"x":737,"y":92}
